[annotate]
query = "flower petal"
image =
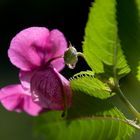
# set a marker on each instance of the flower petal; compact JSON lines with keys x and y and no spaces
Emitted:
{"x":58,"y":64}
{"x":56,"y":46}
{"x":30,"y":107}
{"x":27,"y":48}
{"x":66,"y":89}
{"x":25,"y":78}
{"x":14,"y":98}
{"x":48,"y":91}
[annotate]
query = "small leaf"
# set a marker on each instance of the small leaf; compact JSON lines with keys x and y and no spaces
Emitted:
{"x":89,"y":118}
{"x":87,"y":83}
{"x":101,"y":46}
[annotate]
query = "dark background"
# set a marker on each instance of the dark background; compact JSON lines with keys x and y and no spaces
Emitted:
{"x":69,"y":16}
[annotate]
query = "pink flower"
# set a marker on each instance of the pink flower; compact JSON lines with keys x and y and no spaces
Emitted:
{"x":14,"y":97}
{"x":37,"y":52}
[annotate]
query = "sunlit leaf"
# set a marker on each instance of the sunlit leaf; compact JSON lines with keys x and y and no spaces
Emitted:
{"x":101,"y":45}
{"x":87,"y":83}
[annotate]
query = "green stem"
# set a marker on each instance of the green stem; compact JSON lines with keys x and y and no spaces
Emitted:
{"x":80,"y":54}
{"x":128,"y":104}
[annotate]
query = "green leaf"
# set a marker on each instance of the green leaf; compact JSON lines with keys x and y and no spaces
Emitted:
{"x":89,"y":118}
{"x":87,"y":83}
{"x":129,"y":30}
{"x":138,"y":73}
{"x":101,"y":45}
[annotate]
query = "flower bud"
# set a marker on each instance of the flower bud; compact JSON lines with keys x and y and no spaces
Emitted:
{"x":70,"y":57}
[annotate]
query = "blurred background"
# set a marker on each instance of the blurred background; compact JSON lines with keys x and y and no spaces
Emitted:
{"x":70,"y":17}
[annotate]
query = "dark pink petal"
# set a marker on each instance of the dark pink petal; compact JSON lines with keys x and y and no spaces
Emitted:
{"x":50,"y":90}
{"x":66,"y":89}
{"x":27,"y":48}
{"x":56,"y":46}
{"x":14,"y":98}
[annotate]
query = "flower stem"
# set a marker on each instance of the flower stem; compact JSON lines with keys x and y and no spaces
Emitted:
{"x":80,"y":54}
{"x":131,"y":108}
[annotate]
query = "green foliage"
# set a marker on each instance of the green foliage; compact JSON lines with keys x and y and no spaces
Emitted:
{"x":101,"y":46}
{"x":87,"y":83}
{"x":88,"y":118}
{"x":129,"y":30}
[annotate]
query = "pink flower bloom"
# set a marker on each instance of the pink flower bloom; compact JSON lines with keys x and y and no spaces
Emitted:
{"x":14,"y":97}
{"x":37,"y":52}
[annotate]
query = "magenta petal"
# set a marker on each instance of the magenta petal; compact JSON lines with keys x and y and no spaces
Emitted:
{"x":30,"y":107}
{"x":14,"y":98}
{"x":66,"y":89}
{"x":27,"y":48}
{"x":25,"y":78}
{"x":58,"y":64}
{"x":48,"y":91}
{"x":56,"y":46}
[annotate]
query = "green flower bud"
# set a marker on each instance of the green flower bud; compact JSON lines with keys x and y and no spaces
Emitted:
{"x":70,"y":57}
